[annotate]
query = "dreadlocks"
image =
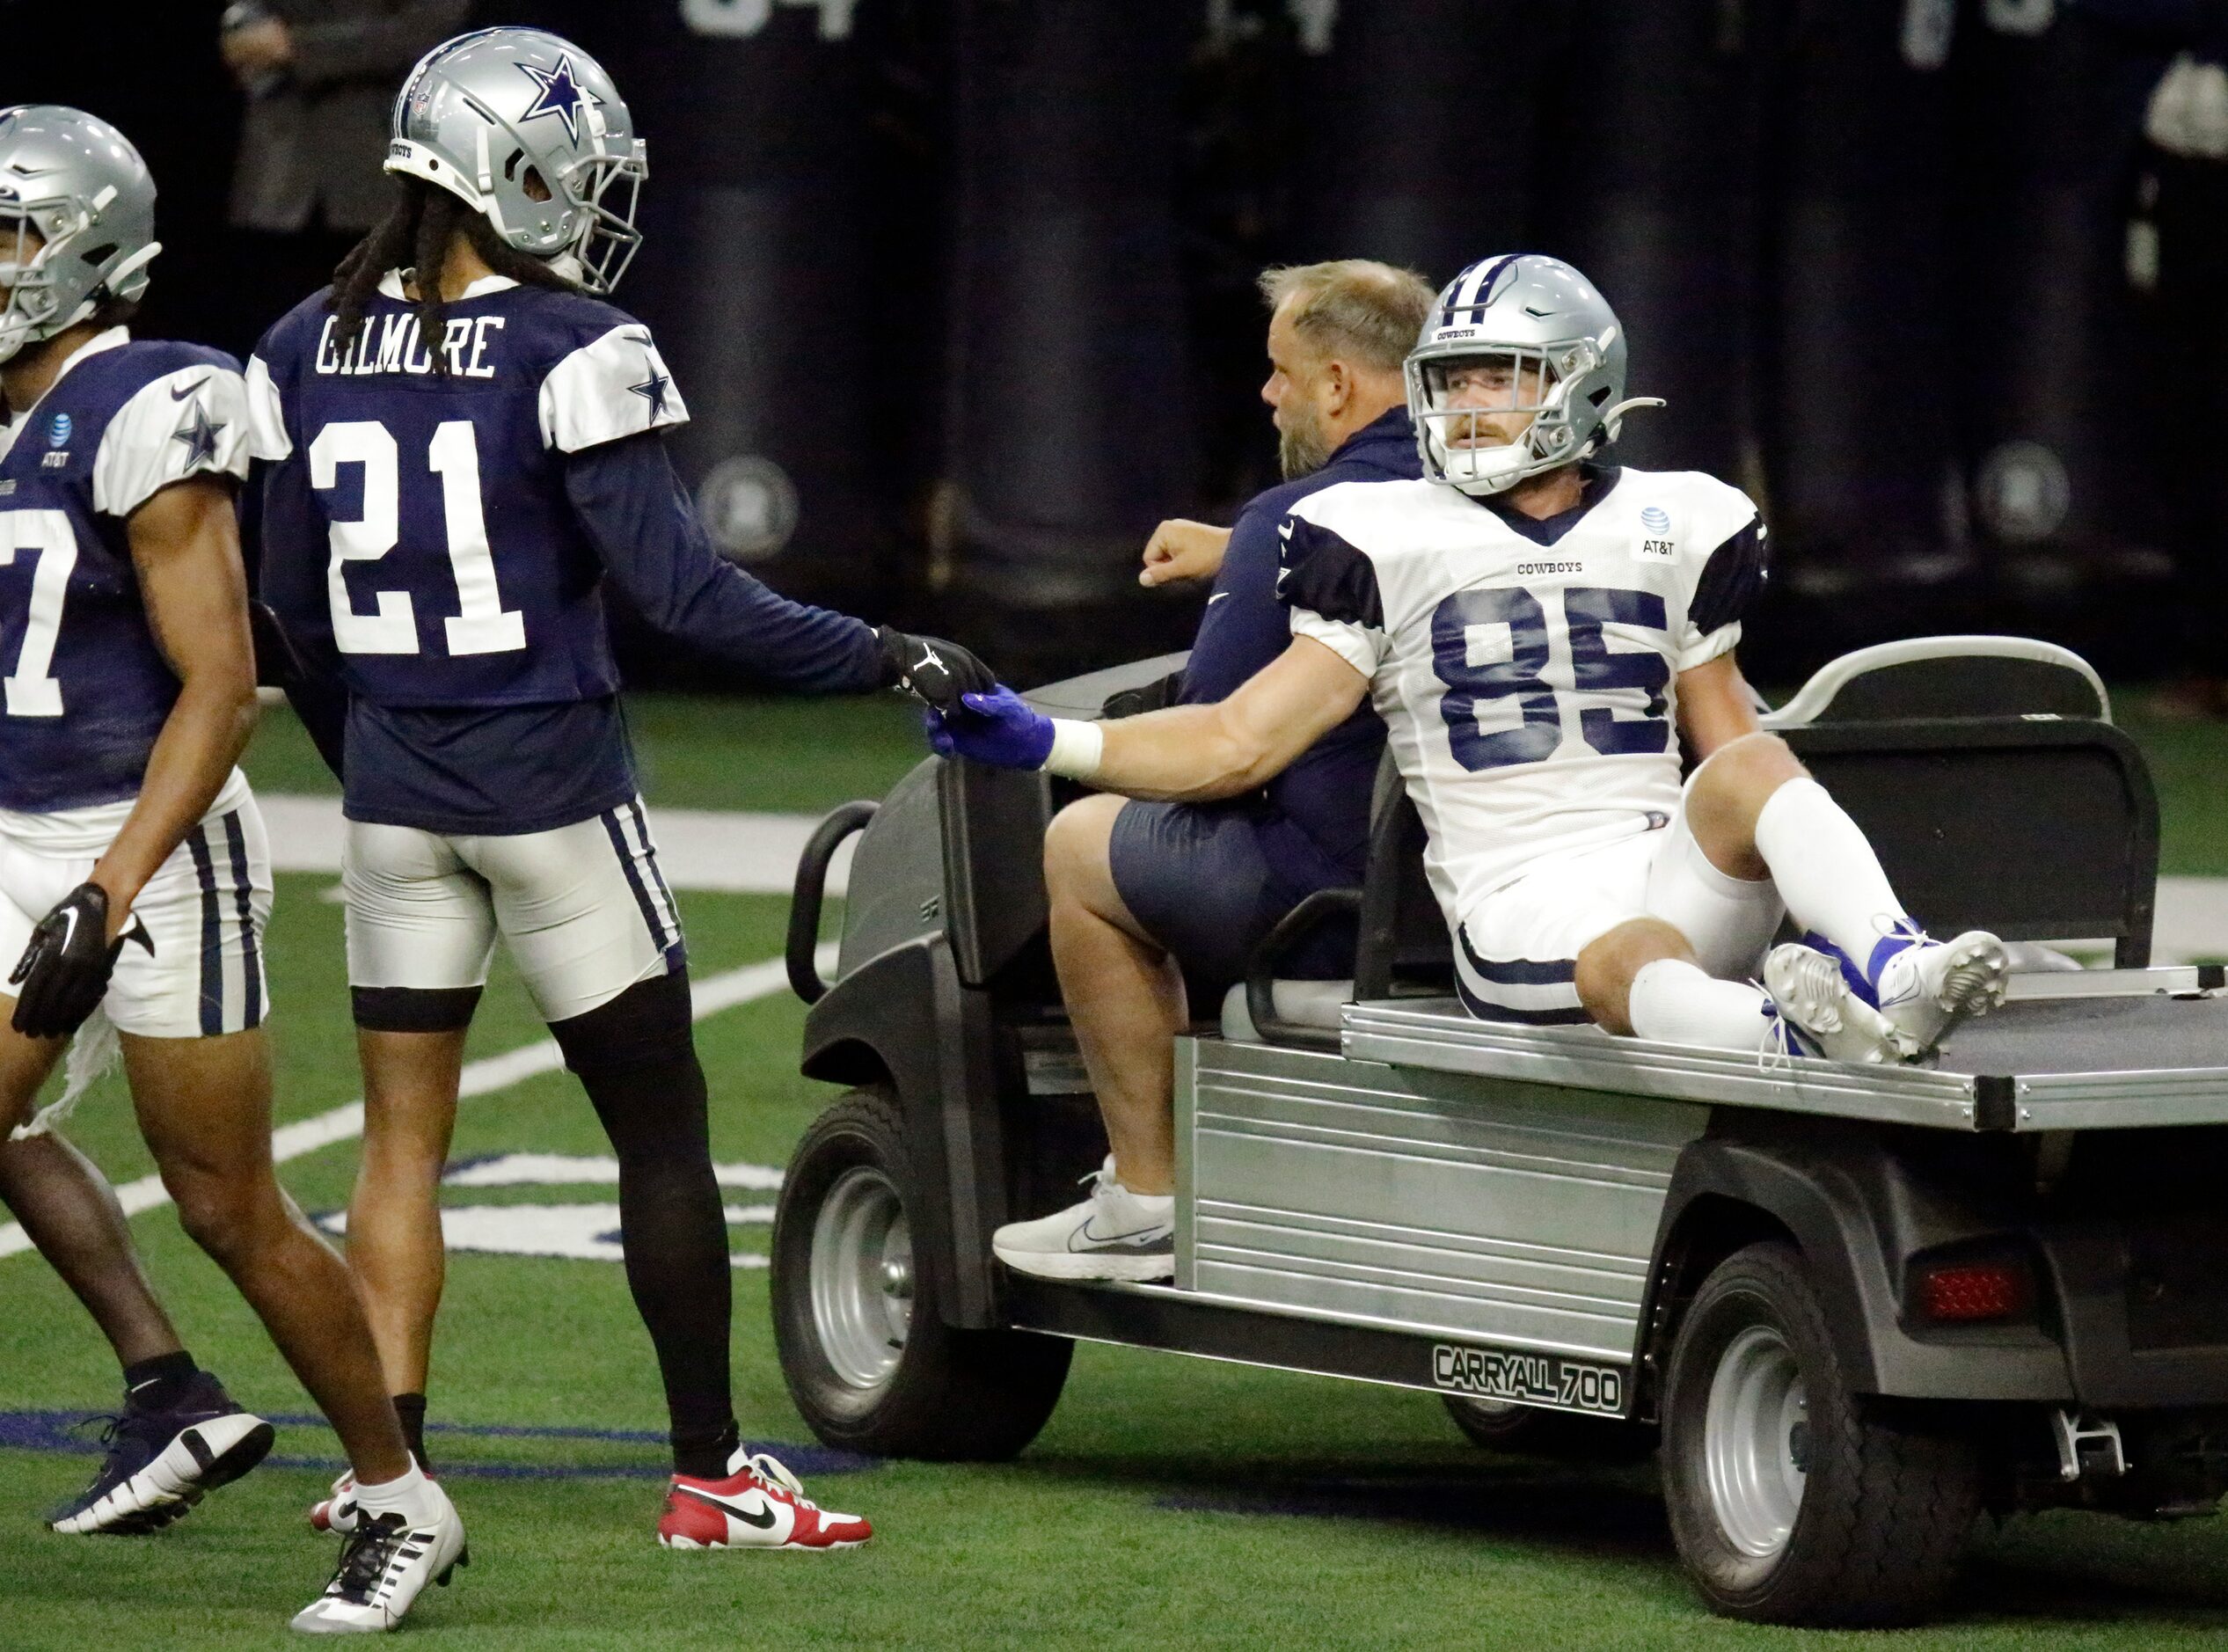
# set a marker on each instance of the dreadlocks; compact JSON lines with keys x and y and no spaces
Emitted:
{"x":415,"y":235}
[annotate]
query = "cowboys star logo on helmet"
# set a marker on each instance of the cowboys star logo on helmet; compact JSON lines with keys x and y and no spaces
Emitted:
{"x":562,"y":95}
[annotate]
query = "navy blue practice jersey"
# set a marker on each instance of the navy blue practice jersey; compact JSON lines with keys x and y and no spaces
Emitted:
{"x":86,"y":690}
{"x":437,"y":542}
{"x":429,"y":511}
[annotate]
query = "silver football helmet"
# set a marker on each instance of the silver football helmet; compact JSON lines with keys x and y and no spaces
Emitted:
{"x":1515,"y":337}
{"x":483,"y":114}
{"x":78,"y":184}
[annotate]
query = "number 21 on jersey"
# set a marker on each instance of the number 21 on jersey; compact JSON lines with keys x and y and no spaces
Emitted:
{"x":481,"y":625}
{"x":1521,"y":679}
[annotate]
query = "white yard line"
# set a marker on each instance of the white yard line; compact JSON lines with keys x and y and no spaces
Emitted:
{"x":483,"y":1076}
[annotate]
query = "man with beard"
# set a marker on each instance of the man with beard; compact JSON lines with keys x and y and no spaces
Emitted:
{"x":1145,"y":896}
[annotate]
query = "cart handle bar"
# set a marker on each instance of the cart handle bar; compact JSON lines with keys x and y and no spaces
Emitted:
{"x":1260,"y":970}
{"x":811,"y":886}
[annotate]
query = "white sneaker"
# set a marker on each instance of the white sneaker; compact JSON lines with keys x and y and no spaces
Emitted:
{"x":1931,"y":985}
{"x":386,"y":1562}
{"x":1113,"y":1234}
{"x":1815,"y":999}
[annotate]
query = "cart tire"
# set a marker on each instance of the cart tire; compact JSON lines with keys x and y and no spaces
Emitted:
{"x":865,"y":1354}
{"x":1529,"y":1431}
{"x":1792,"y":1500}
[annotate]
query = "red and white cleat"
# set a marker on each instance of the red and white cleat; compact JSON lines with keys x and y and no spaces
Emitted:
{"x":759,"y":1505}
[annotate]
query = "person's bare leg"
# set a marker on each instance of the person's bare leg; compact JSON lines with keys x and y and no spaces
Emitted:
{"x":1607,"y":966}
{"x":204,"y":1107}
{"x":1125,"y":995}
{"x":1727,"y":793}
{"x":395,"y":1247}
{"x":70,"y":1212}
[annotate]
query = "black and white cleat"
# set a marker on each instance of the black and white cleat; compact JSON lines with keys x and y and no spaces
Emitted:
{"x":161,"y":1463}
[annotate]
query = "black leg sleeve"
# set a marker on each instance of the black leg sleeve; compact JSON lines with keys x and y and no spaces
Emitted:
{"x":636,"y":1056}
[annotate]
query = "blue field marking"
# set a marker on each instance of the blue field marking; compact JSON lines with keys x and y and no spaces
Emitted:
{"x":67,"y":1431}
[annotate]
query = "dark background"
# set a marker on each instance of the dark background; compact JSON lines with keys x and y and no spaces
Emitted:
{"x":977,"y":274}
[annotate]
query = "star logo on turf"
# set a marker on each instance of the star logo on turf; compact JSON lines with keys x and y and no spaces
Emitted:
{"x":559,"y":94}
{"x":199,"y":433}
{"x":652,"y":390}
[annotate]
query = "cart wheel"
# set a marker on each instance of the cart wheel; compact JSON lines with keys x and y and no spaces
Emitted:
{"x":1792,"y":1500}
{"x":868,"y":1359}
{"x":1529,"y":1431}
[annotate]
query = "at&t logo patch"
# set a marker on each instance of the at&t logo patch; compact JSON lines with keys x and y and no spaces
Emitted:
{"x":1658,"y":544}
{"x":58,"y":429}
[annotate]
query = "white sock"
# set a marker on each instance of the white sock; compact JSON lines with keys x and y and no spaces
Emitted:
{"x":411,"y":1495}
{"x":1156,"y":1205}
{"x":1828,"y":874}
{"x":1674,"y":1002}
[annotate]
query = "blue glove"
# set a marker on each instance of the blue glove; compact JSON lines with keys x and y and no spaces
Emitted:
{"x":996,"y":729}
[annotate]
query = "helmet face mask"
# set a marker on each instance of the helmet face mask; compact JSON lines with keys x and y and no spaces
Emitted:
{"x":94,"y":213}
{"x":1489,"y":417}
{"x":488,"y":115}
{"x":1520,"y":370}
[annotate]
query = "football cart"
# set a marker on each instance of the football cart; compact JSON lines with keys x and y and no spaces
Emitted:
{"x":1851,"y":1307}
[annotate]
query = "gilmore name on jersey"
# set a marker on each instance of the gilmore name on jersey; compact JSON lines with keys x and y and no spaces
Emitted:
{"x":86,"y":690}
{"x":439,"y":544}
{"x":1526,"y":671}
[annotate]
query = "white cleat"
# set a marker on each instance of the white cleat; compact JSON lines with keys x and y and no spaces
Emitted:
{"x":1113,"y":1234}
{"x":386,"y":1562}
{"x":1815,"y":999}
{"x":1931,"y":985}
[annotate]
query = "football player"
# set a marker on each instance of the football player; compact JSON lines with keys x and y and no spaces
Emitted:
{"x":466,"y":443}
{"x":1537,"y":627}
{"x":135,"y":877}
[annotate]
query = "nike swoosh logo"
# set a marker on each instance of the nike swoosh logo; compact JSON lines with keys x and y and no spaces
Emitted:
{"x":69,"y":927}
{"x":1284,"y":531}
{"x":1216,"y":597}
{"x":1087,"y":1236}
{"x":181,"y":395}
{"x":762,"y":1520}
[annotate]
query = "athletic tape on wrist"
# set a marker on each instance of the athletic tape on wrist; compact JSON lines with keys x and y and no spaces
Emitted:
{"x":1077,"y":747}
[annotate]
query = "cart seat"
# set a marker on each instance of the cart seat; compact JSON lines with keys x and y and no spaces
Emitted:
{"x":1949,"y":676}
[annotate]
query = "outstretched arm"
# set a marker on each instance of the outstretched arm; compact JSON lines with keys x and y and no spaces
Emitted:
{"x":647,"y":535}
{"x":652,"y":542}
{"x":1230,"y":747}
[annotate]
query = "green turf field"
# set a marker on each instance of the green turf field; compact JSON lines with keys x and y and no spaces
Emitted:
{"x":1170,"y":1502}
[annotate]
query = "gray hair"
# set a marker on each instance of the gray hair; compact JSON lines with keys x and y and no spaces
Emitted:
{"x":1353,"y":307}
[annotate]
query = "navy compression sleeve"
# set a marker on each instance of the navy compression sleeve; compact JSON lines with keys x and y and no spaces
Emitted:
{"x":645,"y":528}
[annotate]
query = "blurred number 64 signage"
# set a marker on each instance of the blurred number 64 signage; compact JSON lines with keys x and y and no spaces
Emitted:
{"x":749,"y":17}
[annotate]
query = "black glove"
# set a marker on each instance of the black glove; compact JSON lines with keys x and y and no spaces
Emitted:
{"x":932,"y":670}
{"x":63,"y":973}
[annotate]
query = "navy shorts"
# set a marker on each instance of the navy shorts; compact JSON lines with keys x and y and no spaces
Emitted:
{"x":1209,"y":881}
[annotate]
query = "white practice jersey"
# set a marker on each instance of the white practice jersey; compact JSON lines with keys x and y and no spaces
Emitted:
{"x":1526,"y":671}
